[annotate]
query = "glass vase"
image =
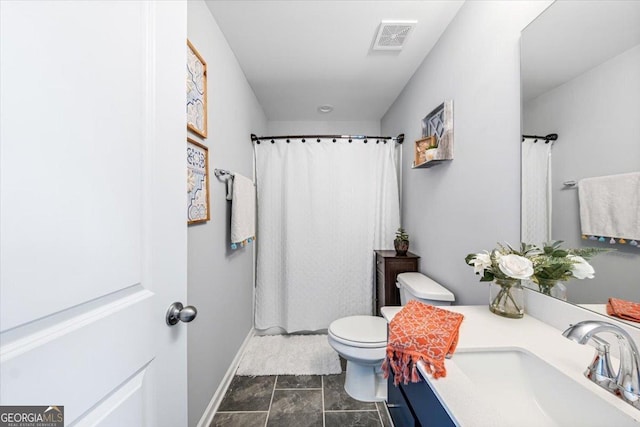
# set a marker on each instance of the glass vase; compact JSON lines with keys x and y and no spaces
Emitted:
{"x":559,"y":291}
{"x":553,"y":287}
{"x":506,"y":298}
{"x":546,"y":285}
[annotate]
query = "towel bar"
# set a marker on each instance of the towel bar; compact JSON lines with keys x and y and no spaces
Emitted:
{"x":227,"y":177}
{"x":221,"y":173}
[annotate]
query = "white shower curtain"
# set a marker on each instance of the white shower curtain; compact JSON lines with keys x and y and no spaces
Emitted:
{"x":536,"y":192}
{"x":323,"y":207}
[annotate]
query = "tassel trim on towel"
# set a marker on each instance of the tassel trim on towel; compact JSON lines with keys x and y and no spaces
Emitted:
{"x":404,"y":366}
{"x":612,"y":240}
{"x":245,"y":242}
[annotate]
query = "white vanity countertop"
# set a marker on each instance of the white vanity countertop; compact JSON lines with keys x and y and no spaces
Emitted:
{"x":483,"y":330}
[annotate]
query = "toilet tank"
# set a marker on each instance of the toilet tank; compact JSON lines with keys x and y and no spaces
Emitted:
{"x":422,"y":288}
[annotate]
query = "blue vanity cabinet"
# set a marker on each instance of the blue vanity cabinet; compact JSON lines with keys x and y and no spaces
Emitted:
{"x":415,"y":405}
{"x":398,"y":406}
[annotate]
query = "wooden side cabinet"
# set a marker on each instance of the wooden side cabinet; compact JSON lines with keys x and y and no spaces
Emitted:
{"x":388,"y":266}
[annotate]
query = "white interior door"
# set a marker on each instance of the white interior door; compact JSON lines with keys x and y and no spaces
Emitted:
{"x":92,"y":209}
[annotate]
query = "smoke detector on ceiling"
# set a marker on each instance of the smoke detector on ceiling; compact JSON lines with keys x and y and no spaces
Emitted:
{"x":392,"y":34}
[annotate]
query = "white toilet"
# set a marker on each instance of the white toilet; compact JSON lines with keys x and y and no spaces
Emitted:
{"x":422,"y":288}
{"x":362,"y":340}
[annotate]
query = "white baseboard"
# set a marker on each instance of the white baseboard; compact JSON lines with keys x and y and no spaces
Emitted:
{"x":213,"y":405}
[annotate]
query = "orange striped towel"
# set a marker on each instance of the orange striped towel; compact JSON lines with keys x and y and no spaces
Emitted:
{"x":626,"y":310}
{"x":420,"y":332}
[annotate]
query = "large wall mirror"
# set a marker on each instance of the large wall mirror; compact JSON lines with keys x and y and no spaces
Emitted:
{"x":581,"y":80}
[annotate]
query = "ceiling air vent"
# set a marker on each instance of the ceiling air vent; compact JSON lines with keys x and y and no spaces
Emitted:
{"x":392,"y":34}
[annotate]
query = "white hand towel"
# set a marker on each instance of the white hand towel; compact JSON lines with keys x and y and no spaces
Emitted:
{"x":243,"y":211}
{"x":610,"y":206}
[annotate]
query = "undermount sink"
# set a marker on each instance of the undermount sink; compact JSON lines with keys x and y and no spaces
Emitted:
{"x":526,"y":390}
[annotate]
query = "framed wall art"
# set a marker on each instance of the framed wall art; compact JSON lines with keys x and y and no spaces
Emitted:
{"x":439,"y":125}
{"x":196,"y":92}
{"x":197,"y":182}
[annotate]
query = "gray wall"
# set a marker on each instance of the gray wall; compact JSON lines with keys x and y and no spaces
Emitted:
{"x":220,"y":280}
{"x":470,"y":203}
{"x":596,"y":116}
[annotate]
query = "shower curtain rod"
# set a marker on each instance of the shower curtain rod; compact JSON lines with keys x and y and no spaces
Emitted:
{"x":399,"y":139}
{"x":547,"y":138}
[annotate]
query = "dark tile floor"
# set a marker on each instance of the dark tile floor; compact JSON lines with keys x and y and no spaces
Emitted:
{"x":296,"y":401}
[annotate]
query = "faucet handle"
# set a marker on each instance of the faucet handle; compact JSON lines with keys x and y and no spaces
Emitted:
{"x":628,"y":378}
{"x":626,"y":383}
{"x":600,"y":370}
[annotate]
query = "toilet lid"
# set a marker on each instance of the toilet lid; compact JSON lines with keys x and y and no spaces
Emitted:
{"x":367,"y":330}
{"x":424,"y":287}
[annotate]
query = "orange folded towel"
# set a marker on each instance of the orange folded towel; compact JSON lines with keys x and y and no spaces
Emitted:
{"x":626,"y":310}
{"x":420,"y":332}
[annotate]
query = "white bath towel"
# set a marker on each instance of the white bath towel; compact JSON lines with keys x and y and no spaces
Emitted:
{"x":243,"y":211}
{"x":610,"y":206}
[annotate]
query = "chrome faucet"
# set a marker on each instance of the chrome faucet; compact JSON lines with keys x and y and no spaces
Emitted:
{"x":626,"y":383}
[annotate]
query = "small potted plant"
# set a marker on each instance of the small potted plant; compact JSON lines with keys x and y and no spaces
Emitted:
{"x":401,"y":242}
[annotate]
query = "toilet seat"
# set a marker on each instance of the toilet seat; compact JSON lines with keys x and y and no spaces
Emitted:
{"x":362,"y":341}
{"x":360,"y":331}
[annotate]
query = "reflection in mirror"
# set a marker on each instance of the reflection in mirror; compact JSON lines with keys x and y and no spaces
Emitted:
{"x":581,"y":80}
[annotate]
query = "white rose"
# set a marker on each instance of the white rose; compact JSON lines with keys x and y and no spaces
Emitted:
{"x":581,"y":269}
{"x":516,"y":266}
{"x":481,"y":262}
